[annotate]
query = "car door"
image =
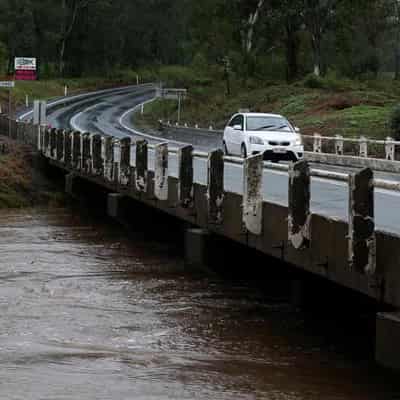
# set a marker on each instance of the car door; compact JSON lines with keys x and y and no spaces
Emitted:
{"x":228,"y":136}
{"x":237,"y":136}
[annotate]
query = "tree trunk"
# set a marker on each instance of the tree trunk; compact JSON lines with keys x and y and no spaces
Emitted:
{"x":291,"y":45}
{"x":61,"y":65}
{"x":316,"y":46}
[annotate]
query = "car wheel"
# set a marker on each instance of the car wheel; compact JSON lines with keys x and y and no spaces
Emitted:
{"x":243,"y":151}
{"x":225,"y":148}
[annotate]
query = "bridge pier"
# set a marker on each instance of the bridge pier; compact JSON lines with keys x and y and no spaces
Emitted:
{"x":114,"y":207}
{"x":387,"y":345}
{"x":196,"y":248}
{"x":69,"y":183}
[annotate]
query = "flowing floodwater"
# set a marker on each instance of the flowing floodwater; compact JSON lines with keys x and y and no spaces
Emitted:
{"x":87,"y":312}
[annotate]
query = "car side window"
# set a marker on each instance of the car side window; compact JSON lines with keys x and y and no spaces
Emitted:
{"x":238,"y":120}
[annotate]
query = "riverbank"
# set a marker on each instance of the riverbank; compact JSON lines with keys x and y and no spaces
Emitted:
{"x":21,"y":184}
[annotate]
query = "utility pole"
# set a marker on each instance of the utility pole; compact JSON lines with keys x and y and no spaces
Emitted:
{"x":179,"y":108}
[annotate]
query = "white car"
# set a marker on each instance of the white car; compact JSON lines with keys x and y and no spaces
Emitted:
{"x":252,"y":133}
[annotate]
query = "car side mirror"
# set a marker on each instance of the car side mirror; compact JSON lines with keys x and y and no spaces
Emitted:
{"x":237,"y":127}
{"x":296,"y":129}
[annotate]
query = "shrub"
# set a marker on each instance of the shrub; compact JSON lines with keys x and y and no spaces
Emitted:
{"x":395,"y":122}
{"x":313,"y":81}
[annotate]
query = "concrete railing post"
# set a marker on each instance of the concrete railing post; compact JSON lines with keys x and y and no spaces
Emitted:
{"x":299,"y":219}
{"x":97,"y":162}
{"x":161,"y":171}
{"x":215,"y":186}
{"x":76,"y":150}
{"x":108,"y":157}
{"x":317,"y":143}
{"x":46,"y":142}
{"x":116,"y":145}
{"x":362,"y":238}
{"x":339,"y":144}
{"x":60,"y":145}
{"x":38,"y":136}
{"x":68,"y":149}
{"x":53,"y":143}
{"x":363,"y":147}
{"x":252,"y":194}
{"x":390,"y":149}
{"x":125,"y":162}
{"x":185,"y":184}
{"x":141,"y":166}
{"x":86,"y":152}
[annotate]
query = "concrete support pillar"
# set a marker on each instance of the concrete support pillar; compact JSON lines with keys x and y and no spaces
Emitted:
{"x":196,"y":248}
{"x":299,"y":218}
{"x":68,"y":149}
{"x":252,"y":194}
{"x":390,"y":149}
{"x":387,"y":345}
{"x":161,"y":172}
{"x":317,"y":144}
{"x":108,"y":157}
{"x":298,"y":293}
{"x":114,"y":205}
{"x":69,"y":183}
{"x":86,"y":153}
{"x":362,"y":238}
{"x":141,"y":166}
{"x":76,"y":150}
{"x":60,"y":145}
{"x":97,"y":160}
{"x":363,"y":147}
{"x":185,"y":174}
{"x":125,"y":163}
{"x":339,"y":144}
{"x":215,"y":186}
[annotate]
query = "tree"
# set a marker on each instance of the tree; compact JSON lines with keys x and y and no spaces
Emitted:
{"x":318,"y":16}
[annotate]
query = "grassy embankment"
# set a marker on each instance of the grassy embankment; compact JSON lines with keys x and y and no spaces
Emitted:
{"x":20,"y":185}
{"x":326,"y":106}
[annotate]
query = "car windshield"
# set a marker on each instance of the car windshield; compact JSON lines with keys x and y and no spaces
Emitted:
{"x":261,"y":123}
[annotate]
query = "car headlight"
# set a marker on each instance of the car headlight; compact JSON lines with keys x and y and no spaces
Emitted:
{"x":298,"y":141}
{"x":256,"y":140}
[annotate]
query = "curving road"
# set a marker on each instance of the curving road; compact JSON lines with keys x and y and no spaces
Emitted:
{"x":111,"y":113}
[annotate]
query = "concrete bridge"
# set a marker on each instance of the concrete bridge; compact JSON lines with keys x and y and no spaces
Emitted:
{"x":349,"y":251}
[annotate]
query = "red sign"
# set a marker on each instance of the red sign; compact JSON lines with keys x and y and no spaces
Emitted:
{"x":25,"y":75}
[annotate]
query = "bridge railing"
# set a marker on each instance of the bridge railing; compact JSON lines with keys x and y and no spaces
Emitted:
{"x":109,"y":160}
{"x":348,"y":151}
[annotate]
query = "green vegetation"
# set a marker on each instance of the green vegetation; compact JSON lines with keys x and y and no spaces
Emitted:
{"x":346,"y":107}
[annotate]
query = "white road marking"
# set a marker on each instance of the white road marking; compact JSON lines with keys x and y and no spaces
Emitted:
{"x":136,"y":132}
{"x":73,"y":120}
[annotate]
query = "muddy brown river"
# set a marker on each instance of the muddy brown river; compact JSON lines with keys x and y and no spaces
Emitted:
{"x":90,"y":312}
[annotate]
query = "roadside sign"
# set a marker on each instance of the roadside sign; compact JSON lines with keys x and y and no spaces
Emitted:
{"x":174,"y":94}
{"x":25,"y":63}
{"x":25,"y":68}
{"x":7,"y":84}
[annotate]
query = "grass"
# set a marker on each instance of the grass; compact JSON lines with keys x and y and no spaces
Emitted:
{"x":346,"y":107}
{"x":18,"y":186}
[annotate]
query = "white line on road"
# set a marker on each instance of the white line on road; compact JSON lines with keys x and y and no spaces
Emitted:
{"x":73,"y":120}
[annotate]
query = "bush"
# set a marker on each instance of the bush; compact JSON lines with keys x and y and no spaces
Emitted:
{"x":313,"y":81}
{"x":395,"y":122}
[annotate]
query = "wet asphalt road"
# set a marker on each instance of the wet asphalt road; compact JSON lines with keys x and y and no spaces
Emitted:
{"x":112,"y":114}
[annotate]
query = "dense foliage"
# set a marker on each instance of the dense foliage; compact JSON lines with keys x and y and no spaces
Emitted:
{"x":275,"y":39}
